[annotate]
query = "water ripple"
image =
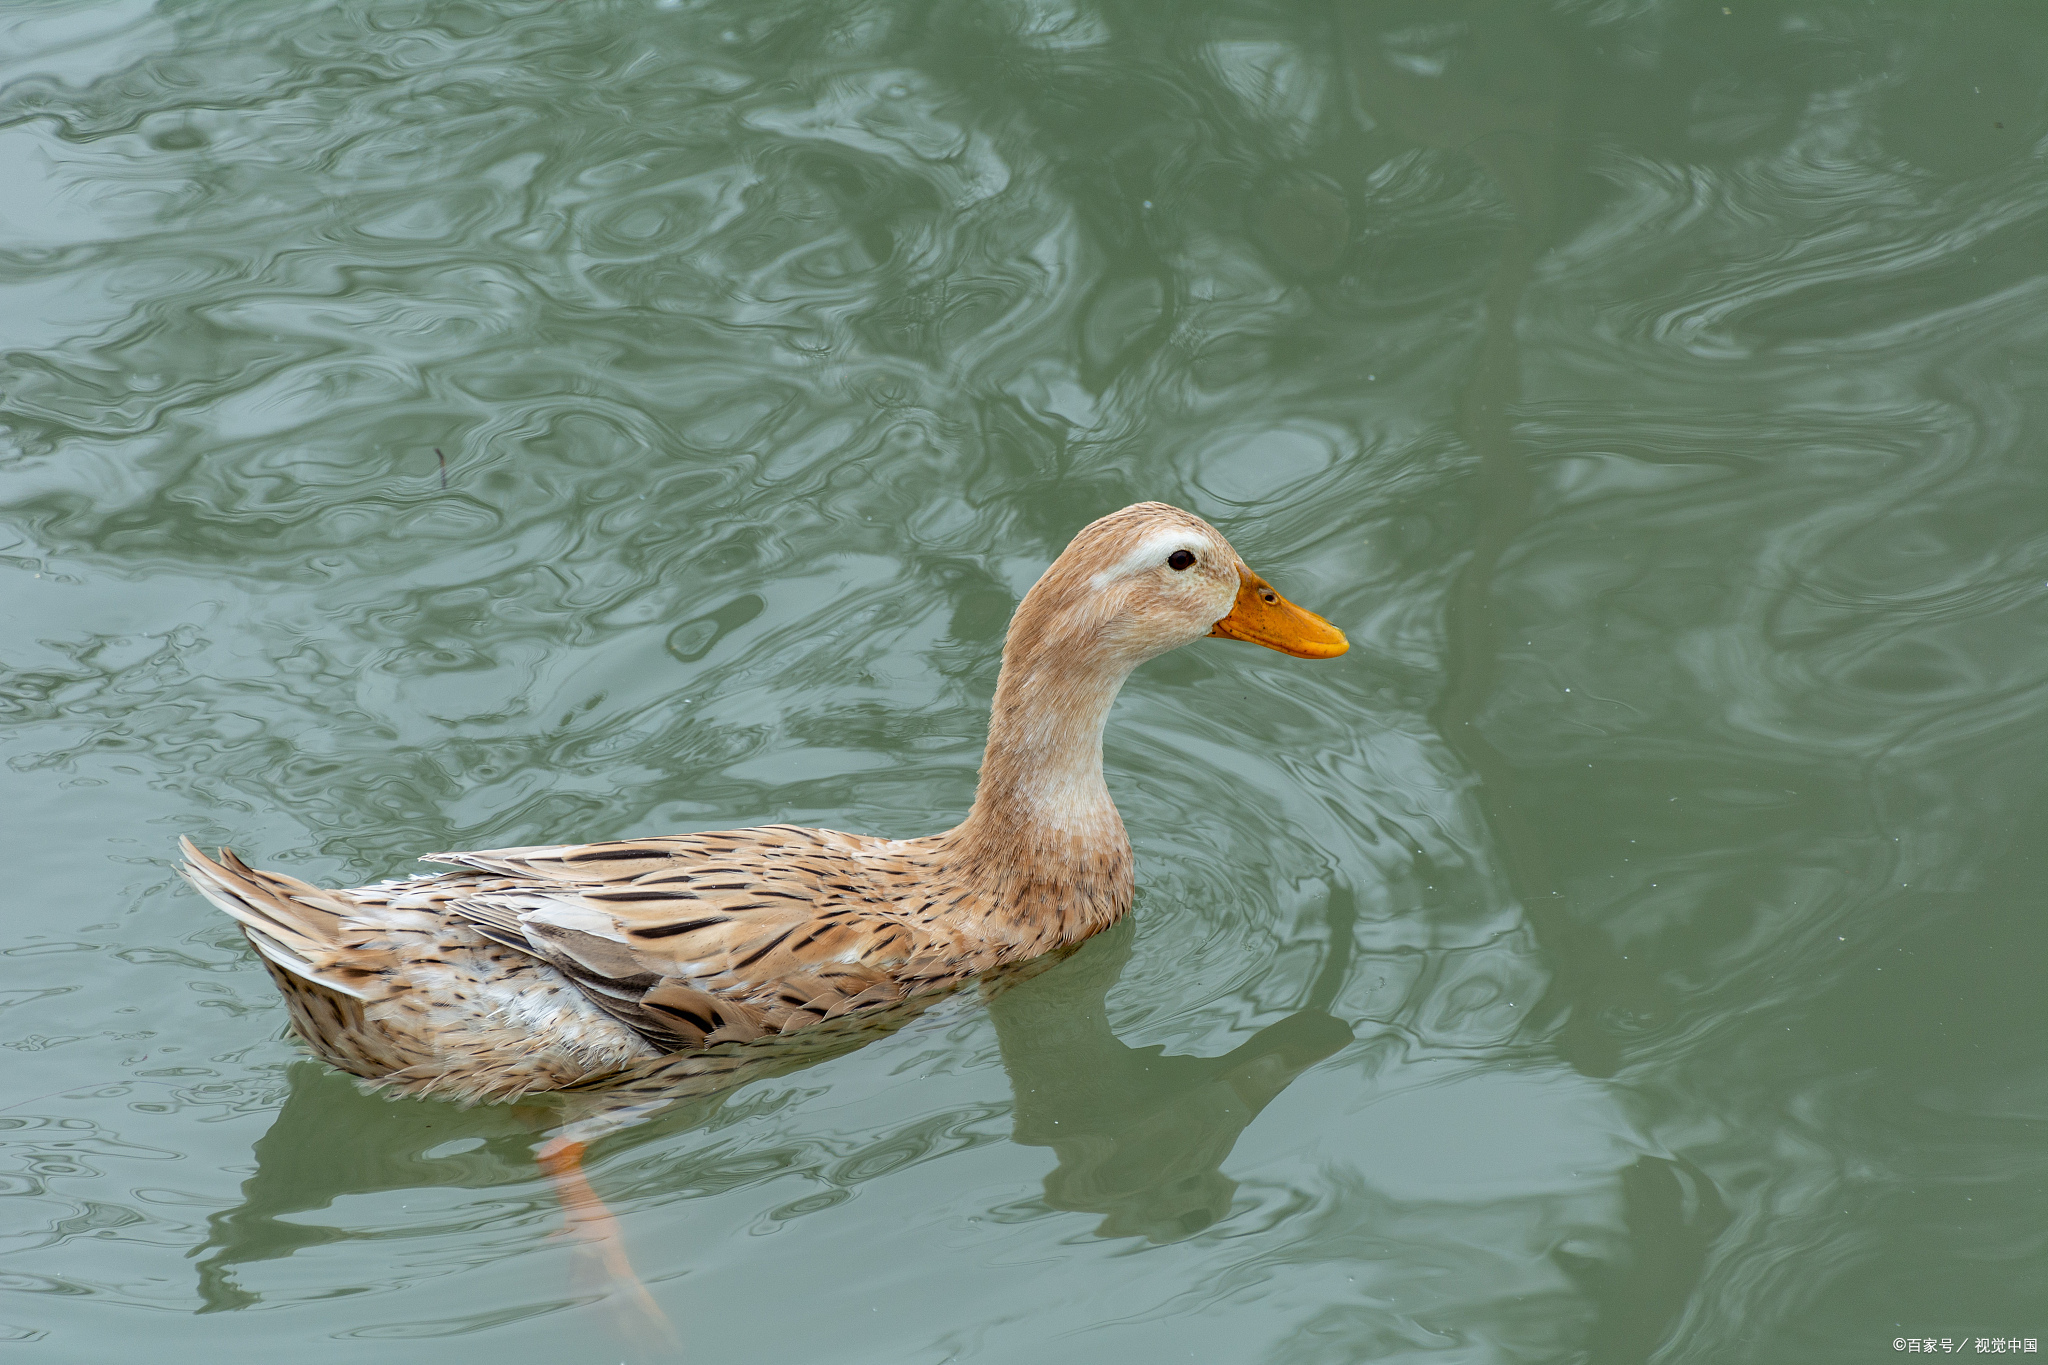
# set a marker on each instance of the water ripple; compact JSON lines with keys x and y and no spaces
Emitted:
{"x":510,"y":421}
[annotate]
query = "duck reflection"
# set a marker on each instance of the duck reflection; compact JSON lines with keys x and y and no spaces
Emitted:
{"x":329,"y":1141}
{"x":1140,"y":1136}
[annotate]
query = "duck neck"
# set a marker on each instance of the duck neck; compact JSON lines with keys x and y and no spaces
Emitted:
{"x":1044,"y":834}
{"x":1042,"y":770}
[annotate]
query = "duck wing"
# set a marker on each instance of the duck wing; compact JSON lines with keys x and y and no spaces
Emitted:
{"x":699,"y":939}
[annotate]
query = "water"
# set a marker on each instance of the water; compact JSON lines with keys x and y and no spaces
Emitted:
{"x":462,"y":425}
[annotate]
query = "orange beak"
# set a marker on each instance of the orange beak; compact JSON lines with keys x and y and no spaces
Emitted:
{"x":1266,"y":618}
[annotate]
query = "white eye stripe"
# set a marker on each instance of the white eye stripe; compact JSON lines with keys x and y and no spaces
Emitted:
{"x":1152,"y":552}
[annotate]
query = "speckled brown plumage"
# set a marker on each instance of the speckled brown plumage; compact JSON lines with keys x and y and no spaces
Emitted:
{"x":533,"y":969}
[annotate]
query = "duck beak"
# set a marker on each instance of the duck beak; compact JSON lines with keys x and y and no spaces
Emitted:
{"x":1266,"y":618}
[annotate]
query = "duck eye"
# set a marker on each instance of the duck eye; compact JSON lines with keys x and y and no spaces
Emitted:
{"x":1180,"y":559}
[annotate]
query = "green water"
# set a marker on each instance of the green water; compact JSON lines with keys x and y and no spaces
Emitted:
{"x":1633,"y":949}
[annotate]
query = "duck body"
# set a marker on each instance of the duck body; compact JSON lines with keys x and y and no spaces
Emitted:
{"x":542,"y":968}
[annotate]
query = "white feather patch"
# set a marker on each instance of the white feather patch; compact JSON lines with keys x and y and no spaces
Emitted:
{"x":582,"y":919}
{"x":1152,"y":551}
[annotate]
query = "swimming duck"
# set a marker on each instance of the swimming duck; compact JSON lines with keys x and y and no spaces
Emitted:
{"x":536,"y":969}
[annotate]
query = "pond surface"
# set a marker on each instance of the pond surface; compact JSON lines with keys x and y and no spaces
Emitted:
{"x":462,"y":425}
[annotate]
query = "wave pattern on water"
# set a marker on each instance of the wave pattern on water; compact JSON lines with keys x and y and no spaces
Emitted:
{"x":488,"y":423}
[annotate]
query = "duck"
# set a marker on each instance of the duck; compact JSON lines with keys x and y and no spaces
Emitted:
{"x":552,"y":967}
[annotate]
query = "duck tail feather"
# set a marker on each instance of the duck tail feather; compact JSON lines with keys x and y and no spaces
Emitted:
{"x":293,"y":925}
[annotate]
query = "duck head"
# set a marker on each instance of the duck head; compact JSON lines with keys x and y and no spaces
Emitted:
{"x":1152,"y":578}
